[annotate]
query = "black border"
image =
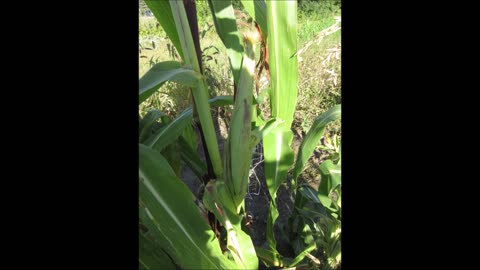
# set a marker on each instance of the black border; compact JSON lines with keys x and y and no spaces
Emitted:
{"x":74,"y":132}
{"x":74,"y":136}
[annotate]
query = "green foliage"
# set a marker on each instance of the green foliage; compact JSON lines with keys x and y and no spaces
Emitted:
{"x":312,"y":138}
{"x":174,"y":229}
{"x":168,"y":211}
{"x":314,"y":9}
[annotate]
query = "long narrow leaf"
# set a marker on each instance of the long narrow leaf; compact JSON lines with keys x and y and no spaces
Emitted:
{"x":313,"y":137}
{"x":190,"y":137}
{"x":331,"y":179}
{"x":302,"y":254}
{"x":282,"y":45}
{"x":308,"y":192}
{"x":221,"y":101}
{"x":162,"y":72}
{"x":226,"y":26}
{"x":269,"y":257}
{"x":278,"y":158}
{"x":186,"y":236}
{"x":162,"y":11}
{"x":169,"y":133}
{"x":151,"y":256}
{"x":200,"y":91}
{"x":192,"y":158}
{"x":147,"y":122}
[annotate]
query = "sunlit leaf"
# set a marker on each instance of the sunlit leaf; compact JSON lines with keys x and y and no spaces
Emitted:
{"x":313,"y":136}
{"x":226,"y":26}
{"x":184,"y":234}
{"x":162,"y":72}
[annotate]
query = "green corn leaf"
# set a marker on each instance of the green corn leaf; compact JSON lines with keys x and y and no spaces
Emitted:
{"x":282,"y":45}
{"x":226,"y":26}
{"x":151,"y":256}
{"x":278,"y":157}
{"x":147,"y":122}
{"x":179,"y":126}
{"x":269,"y":257}
{"x":313,"y":137}
{"x":162,"y":72}
{"x":190,"y":136}
{"x":331,"y":177}
{"x":172,"y":154}
{"x":162,"y":11}
{"x":308,"y":192}
{"x":220,"y":101}
{"x":328,"y":169}
{"x":184,"y":34}
{"x":200,"y":91}
{"x":241,"y":246}
{"x":191,"y":158}
{"x":184,"y":234}
{"x":310,"y":214}
{"x":258,"y":11}
{"x":169,"y":133}
{"x":330,"y":180}
{"x":271,"y":242}
{"x":217,"y":200}
{"x":302,"y":255}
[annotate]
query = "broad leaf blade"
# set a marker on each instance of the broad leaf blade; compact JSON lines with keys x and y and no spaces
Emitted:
{"x":302,"y":254}
{"x":330,"y":180}
{"x":221,"y":101}
{"x":226,"y":26}
{"x":162,"y":11}
{"x":169,"y":133}
{"x":217,"y":199}
{"x":282,"y":45}
{"x":327,"y":168}
{"x":172,"y":154}
{"x":162,"y":72}
{"x":191,"y":158}
{"x":278,"y":157}
{"x":269,"y":257}
{"x":313,"y":137}
{"x":151,"y":256}
{"x":271,"y":242}
{"x":147,"y":122}
{"x":186,"y":236}
{"x":309,"y":192}
{"x":331,"y":177}
{"x":190,"y":136}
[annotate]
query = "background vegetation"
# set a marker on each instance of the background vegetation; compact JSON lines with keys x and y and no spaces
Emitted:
{"x":319,"y":68}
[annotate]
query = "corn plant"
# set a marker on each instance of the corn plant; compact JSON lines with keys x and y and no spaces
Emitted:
{"x":175,"y":228}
